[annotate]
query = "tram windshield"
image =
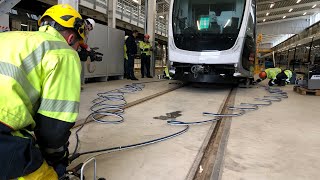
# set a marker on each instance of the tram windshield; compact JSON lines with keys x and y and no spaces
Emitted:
{"x":206,"y":25}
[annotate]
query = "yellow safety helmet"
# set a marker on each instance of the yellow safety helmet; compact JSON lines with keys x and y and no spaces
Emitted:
{"x":66,"y":16}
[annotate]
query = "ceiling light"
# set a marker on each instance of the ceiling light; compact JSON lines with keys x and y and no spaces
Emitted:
{"x":284,"y":17}
{"x":298,"y":1}
{"x":314,"y":6}
{"x":267,"y":14}
{"x":264,"y":20}
{"x":304,"y":13}
{"x":290,"y":10}
{"x":271,"y":5}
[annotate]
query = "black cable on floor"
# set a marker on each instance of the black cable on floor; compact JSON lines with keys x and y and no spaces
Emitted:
{"x":111,"y":103}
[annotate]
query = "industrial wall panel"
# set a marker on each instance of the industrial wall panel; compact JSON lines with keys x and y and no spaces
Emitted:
{"x":99,"y":38}
{"x":4,"y":23}
{"x":115,"y":51}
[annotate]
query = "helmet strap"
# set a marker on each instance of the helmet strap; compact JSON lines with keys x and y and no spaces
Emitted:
{"x":53,"y":24}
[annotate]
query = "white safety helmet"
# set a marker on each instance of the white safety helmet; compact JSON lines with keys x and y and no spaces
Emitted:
{"x":92,"y":22}
{"x":126,"y":37}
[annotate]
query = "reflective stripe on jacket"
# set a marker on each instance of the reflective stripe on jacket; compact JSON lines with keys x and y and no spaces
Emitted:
{"x":272,"y":73}
{"x":39,"y":73}
{"x":145,"y":48}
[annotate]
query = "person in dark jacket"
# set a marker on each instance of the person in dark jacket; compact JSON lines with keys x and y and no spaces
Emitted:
{"x":131,"y":52}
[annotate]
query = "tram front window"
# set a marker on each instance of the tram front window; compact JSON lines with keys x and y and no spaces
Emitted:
{"x":204,"y":25}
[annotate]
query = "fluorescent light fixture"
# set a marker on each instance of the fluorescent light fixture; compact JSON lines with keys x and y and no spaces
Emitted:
{"x":298,"y":1}
{"x":267,"y":14}
{"x":161,"y":17}
{"x":264,"y":20}
{"x":24,"y":25}
{"x":290,"y":10}
{"x":314,"y":6}
{"x":304,"y":13}
{"x":284,"y":17}
{"x":198,"y":25}
{"x":271,"y":5}
{"x":227,"y":23}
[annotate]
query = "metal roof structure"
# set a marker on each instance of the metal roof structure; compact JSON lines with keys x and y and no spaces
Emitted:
{"x":276,"y":12}
{"x":280,"y":10}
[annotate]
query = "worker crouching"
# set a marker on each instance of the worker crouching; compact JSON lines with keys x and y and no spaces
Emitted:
{"x":276,"y":76}
{"x":40,"y":95}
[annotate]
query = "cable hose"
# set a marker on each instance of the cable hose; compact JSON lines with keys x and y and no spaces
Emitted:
{"x":277,"y":96}
{"x":111,"y":104}
{"x":117,"y":95}
{"x":131,"y":146}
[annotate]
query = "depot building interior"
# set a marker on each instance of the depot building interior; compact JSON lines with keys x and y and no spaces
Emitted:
{"x":224,"y":89}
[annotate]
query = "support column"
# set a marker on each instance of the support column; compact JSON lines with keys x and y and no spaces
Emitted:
{"x":151,"y":20}
{"x":73,"y":3}
{"x":112,"y":9}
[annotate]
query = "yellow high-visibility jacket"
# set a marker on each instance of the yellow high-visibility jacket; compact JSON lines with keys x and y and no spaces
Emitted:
{"x":39,"y":72}
{"x":145,"y":48}
{"x":125,"y":52}
{"x":39,"y":75}
{"x":288,"y":73}
{"x":272,"y":73}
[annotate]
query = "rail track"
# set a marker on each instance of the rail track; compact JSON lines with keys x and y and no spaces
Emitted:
{"x":210,"y":157}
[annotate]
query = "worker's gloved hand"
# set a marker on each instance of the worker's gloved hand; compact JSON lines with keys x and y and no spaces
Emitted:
{"x":58,"y":159}
{"x":92,"y":55}
{"x":258,"y":80}
{"x":271,"y":83}
{"x":141,"y":49}
{"x":287,"y":81}
{"x":60,"y":169}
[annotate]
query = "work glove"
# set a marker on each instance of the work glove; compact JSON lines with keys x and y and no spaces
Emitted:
{"x":288,"y":81}
{"x":92,"y":55}
{"x":58,"y":160}
{"x":258,"y":80}
{"x":141,"y":49}
{"x":271,"y":83}
{"x":60,"y":169}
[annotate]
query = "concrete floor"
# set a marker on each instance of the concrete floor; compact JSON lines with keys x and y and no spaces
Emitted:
{"x":281,"y":141}
{"x":170,"y":160}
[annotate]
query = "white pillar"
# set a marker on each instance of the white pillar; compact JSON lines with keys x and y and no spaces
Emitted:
{"x":151,"y":20}
{"x":112,"y":9}
{"x":73,"y":3}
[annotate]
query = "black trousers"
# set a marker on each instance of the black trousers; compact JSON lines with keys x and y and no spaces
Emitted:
{"x":130,"y":66}
{"x":18,"y":156}
{"x":145,"y":65}
{"x":280,"y":79}
{"x":125,"y":65}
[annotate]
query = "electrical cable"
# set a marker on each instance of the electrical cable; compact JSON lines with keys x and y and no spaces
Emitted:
{"x":111,"y":104}
{"x":107,"y":109}
{"x":277,"y":96}
{"x":131,"y":146}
